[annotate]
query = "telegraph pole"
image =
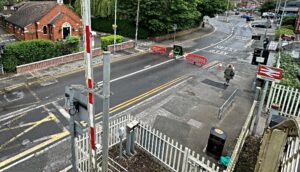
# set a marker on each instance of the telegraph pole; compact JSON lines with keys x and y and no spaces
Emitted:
{"x":115,"y":26}
{"x":137,"y":22}
{"x":86,"y":14}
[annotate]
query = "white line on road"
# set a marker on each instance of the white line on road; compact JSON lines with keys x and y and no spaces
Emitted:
{"x":61,"y":110}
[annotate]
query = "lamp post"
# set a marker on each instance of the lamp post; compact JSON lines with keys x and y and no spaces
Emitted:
{"x":227,"y":10}
{"x":115,"y":26}
{"x":137,"y":22}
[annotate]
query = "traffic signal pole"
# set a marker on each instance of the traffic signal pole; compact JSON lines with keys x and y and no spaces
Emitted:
{"x":86,"y":15}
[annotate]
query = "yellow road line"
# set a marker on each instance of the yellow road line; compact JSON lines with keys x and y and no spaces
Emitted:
{"x":142,"y":96}
{"x":54,"y":138}
{"x":48,"y":118}
{"x":20,"y":126}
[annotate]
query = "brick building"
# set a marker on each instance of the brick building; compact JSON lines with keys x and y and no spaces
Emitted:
{"x":43,"y":20}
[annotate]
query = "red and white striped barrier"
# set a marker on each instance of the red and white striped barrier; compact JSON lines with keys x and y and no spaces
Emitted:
{"x":158,"y":49}
{"x":196,"y":59}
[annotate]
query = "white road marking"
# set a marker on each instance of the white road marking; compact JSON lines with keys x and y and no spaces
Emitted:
{"x":147,"y":66}
{"x":19,"y":95}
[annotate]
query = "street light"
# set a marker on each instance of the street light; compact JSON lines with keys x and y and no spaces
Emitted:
{"x":137,"y":22}
{"x":282,"y":15}
{"x":115,"y":26}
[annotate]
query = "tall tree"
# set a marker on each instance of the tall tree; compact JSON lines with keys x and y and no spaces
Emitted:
{"x":2,"y":3}
{"x":212,"y":7}
{"x":101,"y":8}
{"x":268,"y":6}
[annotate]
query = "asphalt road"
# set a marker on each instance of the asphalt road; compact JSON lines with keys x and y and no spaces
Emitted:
{"x":31,"y":116}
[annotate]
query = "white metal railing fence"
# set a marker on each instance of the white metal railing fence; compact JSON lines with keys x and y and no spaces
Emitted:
{"x":287,"y":98}
{"x":291,"y":157}
{"x":171,"y":153}
{"x":228,"y":103}
{"x":241,"y":140}
{"x":82,"y":141}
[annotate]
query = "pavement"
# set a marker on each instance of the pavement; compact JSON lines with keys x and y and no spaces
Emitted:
{"x":187,"y":111}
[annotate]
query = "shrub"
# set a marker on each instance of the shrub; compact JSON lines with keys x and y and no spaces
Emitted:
{"x":23,"y":52}
{"x":290,"y":73}
{"x":108,"y":40}
{"x":288,"y":20}
{"x":69,"y":45}
{"x":125,"y":27}
{"x":282,"y":31}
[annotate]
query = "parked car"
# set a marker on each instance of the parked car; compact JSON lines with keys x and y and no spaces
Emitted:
{"x":247,"y":17}
{"x":262,"y":23}
{"x":268,"y":15}
{"x":288,"y":37}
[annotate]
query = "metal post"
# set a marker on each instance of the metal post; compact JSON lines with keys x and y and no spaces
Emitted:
{"x":282,"y":14}
{"x":227,"y":10}
{"x":256,"y":97}
{"x":132,"y":141}
{"x":106,"y":95}
{"x":262,"y":99}
{"x":115,"y":26}
{"x":86,"y":14}
{"x":128,"y":144}
{"x":137,"y":22}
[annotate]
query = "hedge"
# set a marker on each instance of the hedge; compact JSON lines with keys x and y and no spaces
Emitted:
{"x":124,"y":27}
{"x":23,"y":52}
{"x":109,"y":40}
{"x":282,"y":31}
{"x":290,"y":67}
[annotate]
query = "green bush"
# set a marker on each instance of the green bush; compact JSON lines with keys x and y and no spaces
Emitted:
{"x":109,"y":40}
{"x":69,"y":45}
{"x":288,"y":20}
{"x":290,"y":68}
{"x":124,"y":28}
{"x":23,"y":52}
{"x":288,"y":27}
{"x":282,"y":31}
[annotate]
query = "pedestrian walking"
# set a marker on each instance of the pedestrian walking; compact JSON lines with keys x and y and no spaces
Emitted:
{"x":229,"y":74}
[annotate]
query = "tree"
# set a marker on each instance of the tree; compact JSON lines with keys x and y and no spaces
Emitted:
{"x":2,"y":3}
{"x":102,"y":8}
{"x":268,"y":6}
{"x":212,"y":7}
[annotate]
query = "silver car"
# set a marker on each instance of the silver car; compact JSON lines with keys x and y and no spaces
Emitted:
{"x":262,"y":23}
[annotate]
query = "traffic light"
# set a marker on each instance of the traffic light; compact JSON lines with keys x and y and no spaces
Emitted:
{"x":177,"y":50}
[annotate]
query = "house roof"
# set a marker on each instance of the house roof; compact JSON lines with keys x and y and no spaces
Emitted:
{"x":55,"y":18}
{"x":31,"y":12}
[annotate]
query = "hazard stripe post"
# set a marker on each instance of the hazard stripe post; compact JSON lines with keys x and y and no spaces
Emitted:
{"x":86,"y":14}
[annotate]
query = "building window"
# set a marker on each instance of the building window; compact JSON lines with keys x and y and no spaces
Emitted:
{"x":45,"y":30}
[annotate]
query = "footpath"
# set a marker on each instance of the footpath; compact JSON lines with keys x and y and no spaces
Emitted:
{"x":12,"y":81}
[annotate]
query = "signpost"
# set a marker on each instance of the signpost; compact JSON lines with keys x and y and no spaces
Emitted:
{"x":269,"y":73}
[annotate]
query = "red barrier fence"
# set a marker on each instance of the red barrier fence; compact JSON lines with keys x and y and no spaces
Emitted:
{"x":196,"y":59}
{"x":55,"y":61}
{"x":158,"y":49}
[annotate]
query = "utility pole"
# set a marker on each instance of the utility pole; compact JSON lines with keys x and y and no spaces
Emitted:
{"x":106,"y":95}
{"x":115,"y":26}
{"x":282,"y":15}
{"x":137,"y":22}
{"x":86,"y":14}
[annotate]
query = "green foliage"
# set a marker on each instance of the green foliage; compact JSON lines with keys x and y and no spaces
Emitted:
{"x":159,"y":16}
{"x":268,"y":6}
{"x":125,"y":27}
{"x":109,"y":40}
{"x":212,"y":7}
{"x":99,"y":8}
{"x":2,"y":3}
{"x":23,"y":52}
{"x":290,"y":68}
{"x":289,"y":20}
{"x":282,"y":31}
{"x":290,"y":27}
{"x":69,"y":45}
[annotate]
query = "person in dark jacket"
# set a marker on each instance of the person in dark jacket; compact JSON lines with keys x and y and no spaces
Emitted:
{"x":228,"y":74}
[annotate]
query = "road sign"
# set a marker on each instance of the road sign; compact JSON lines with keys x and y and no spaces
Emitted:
{"x":269,"y":73}
{"x":273,"y":46}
